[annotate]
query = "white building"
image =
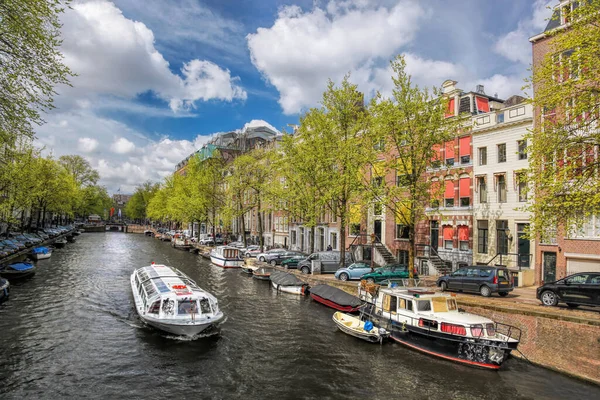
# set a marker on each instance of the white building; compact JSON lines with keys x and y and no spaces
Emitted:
{"x":500,"y":192}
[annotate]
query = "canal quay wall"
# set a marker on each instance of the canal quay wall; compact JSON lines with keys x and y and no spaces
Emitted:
{"x":564,"y":340}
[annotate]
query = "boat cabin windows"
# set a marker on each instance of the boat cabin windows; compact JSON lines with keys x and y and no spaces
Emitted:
{"x":423,"y":305}
{"x":205,"y":306}
{"x":390,"y":303}
{"x":154,"y":308}
{"x":187,"y":307}
{"x":404,"y":304}
{"x":451,"y":304}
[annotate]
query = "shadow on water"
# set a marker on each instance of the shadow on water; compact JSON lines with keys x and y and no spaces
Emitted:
{"x":72,"y":331}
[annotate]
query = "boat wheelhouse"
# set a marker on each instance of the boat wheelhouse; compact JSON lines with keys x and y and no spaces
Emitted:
{"x":167,"y":299}
{"x":226,"y":257}
{"x":432,"y":323}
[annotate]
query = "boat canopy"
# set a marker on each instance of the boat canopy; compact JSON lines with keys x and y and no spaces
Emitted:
{"x":21,"y":266}
{"x":40,"y":250}
{"x":336,"y":295}
{"x":285,"y":279}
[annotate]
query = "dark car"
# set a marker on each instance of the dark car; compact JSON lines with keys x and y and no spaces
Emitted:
{"x":582,"y":289}
{"x":292,"y":262}
{"x":484,"y":279}
{"x":277,"y":258}
{"x":388,"y":273}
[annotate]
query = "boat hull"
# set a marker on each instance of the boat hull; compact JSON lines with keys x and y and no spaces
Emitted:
{"x":181,"y":329}
{"x":16,"y":275}
{"x":333,"y":305}
{"x":226,"y":263}
{"x":261,"y":276}
{"x":59,"y":245}
{"x":41,"y":256}
{"x":297,"y":289}
{"x":247,"y":270}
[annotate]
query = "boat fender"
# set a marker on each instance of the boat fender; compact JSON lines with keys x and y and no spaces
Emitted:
{"x":304,"y":290}
{"x":368,"y":326}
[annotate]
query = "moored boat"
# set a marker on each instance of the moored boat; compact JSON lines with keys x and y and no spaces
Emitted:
{"x":71,"y":239}
{"x":263,"y":273}
{"x":40,"y":253}
{"x":431,"y":322}
{"x":18,"y":270}
{"x":167,"y":299}
{"x":354,"y":326}
{"x":180,"y":242}
{"x":335,"y":298}
{"x":59,"y":243}
{"x":226,"y":257}
{"x":4,"y":289}
{"x":289,"y":283}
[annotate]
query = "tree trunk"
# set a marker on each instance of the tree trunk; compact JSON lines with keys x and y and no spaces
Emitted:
{"x":312,"y":239}
{"x":244,"y":231}
{"x":261,"y":239}
{"x":343,"y":235}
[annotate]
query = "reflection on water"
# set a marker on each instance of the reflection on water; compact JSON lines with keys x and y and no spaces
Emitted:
{"x":71,"y":331}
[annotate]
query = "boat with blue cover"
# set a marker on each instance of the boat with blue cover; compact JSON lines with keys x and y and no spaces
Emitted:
{"x":18,"y":270}
{"x":4,"y":289}
{"x":167,"y":299}
{"x":40,"y":253}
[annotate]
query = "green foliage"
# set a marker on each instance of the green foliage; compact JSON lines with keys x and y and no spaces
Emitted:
{"x":136,"y":207}
{"x":80,"y":169}
{"x":563,"y":151}
{"x":31,"y":65}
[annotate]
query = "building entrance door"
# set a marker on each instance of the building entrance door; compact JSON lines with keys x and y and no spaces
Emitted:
{"x":523,"y":246}
{"x":434,"y":234}
{"x":377,"y":230}
{"x":549,"y":267}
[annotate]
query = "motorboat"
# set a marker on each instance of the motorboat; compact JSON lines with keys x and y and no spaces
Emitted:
{"x":179,"y":241}
{"x":263,"y":273}
{"x":167,"y":299}
{"x":18,"y":270}
{"x":354,"y":326}
{"x":4,"y":289}
{"x":288,"y":283}
{"x":60,"y":243}
{"x":431,"y":322}
{"x":41,"y":253}
{"x":249,"y":267}
{"x":335,"y":298}
{"x":226,"y":257}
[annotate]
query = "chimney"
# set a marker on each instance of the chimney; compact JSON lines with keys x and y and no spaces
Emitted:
{"x":480,"y":89}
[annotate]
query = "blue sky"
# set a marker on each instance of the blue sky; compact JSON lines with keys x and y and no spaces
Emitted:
{"x":156,"y":78}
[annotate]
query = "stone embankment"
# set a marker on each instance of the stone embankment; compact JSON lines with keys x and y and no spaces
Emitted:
{"x":560,"y":339}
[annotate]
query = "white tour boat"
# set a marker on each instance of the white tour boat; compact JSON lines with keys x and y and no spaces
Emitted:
{"x":226,"y":257}
{"x":169,"y":300}
{"x":431,"y":322}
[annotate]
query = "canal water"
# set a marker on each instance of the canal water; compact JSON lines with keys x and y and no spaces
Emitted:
{"x":71,"y":331}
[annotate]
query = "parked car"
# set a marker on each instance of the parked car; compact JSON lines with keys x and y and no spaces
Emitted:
{"x":329,"y":260}
{"x":582,"y":289}
{"x":207,"y":241}
{"x":292,"y":262}
{"x":278,"y":257}
{"x":263,"y":256}
{"x":483,"y":279}
{"x":393,"y":271}
{"x":353,"y":271}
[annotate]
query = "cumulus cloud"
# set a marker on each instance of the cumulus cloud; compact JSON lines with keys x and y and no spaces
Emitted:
{"x":122,"y":146}
{"x":87,"y":145}
{"x":116,"y":56}
{"x":515,"y":45}
{"x":303,"y":49}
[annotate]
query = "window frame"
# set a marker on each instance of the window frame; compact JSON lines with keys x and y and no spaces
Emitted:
{"x":501,"y":151}
{"x":482,"y":155}
{"x":482,"y":236}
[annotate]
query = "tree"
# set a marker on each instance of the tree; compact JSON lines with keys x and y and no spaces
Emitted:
{"x":405,"y":128}
{"x":137,"y":206}
{"x":334,"y":135}
{"x":31,"y":64}
{"x":80,"y":169}
{"x":93,"y":199}
{"x":564,"y":144}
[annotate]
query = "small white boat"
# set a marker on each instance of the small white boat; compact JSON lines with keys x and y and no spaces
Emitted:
{"x":226,"y":257}
{"x":169,"y":300}
{"x":41,"y":253}
{"x":288,"y":283}
{"x":361,"y":329}
{"x":180,"y":242}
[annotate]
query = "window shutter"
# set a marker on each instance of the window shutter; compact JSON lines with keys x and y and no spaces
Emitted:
{"x":464,"y":187}
{"x":464,"y":145}
{"x":482,"y":104}
{"x":437,"y":152}
{"x":448,"y":232}
{"x":463,"y":233}
{"x":450,"y":149}
{"x":449,"y":192}
{"x":450,"y":110}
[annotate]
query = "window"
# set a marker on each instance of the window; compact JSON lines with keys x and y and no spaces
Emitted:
{"x":501,"y":237}
{"x":522,"y":187}
{"x":377,"y":209}
{"x":379,"y":145}
{"x":402,"y":257}
{"x":482,"y":189}
{"x":401,"y":231}
{"x":449,"y":154}
{"x":402,"y":180}
{"x":588,"y":228}
{"x":522,"y":149}
{"x":463,"y":238}
{"x":482,"y":236}
{"x":377,"y":182}
{"x":424,"y":305}
{"x":464,"y":191}
{"x":154,"y":307}
{"x":501,"y":184}
{"x":502,"y":153}
{"x":578,"y":279}
{"x":449,"y":194}
{"x":500,"y":118}
{"x":187,"y":307}
{"x":354,"y":229}
{"x":464,"y":149}
{"x":482,"y":155}
{"x":333,"y":240}
{"x":321,"y":239}
{"x":448,"y":233}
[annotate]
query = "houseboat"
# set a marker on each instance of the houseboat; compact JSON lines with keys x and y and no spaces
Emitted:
{"x":41,"y":253}
{"x":167,"y":299}
{"x":432,"y":323}
{"x":226,"y":257}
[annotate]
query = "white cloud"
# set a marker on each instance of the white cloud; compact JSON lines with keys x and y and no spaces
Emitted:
{"x":303,"y":49}
{"x":122,"y":146}
{"x":515,"y":45}
{"x":87,"y":145}
{"x":116,"y":56}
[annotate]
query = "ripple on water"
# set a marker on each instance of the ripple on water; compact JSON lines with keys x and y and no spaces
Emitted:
{"x":72,"y":331}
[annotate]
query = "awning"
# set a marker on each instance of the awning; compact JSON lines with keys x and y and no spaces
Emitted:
{"x":449,"y":149}
{"x":464,"y":187}
{"x":449,"y":191}
{"x":448,"y":232}
{"x":464,"y":145}
{"x":482,"y":104}
{"x":437,"y":150}
{"x":463,"y":233}
{"x":450,"y":110}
